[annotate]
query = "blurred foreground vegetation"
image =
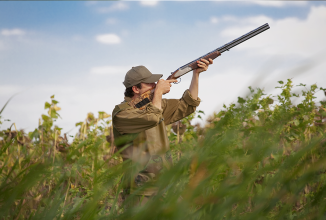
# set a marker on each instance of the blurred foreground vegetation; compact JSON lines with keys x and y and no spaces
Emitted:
{"x":261,"y":158}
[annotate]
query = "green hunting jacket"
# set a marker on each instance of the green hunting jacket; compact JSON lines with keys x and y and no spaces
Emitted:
{"x":149,"y":149}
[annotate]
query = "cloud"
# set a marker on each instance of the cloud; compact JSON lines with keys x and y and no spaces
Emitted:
{"x":108,"y":39}
{"x":120,"y":6}
{"x":109,"y":70}
{"x":77,"y":37}
{"x":149,"y":3}
{"x":287,"y":36}
{"x":214,"y":20}
{"x":244,"y":25}
{"x":111,"y":21}
{"x":71,"y":99}
{"x":278,"y":4}
{"x":12,"y":32}
{"x":6,"y":91}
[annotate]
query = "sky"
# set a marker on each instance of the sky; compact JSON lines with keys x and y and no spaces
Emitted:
{"x":79,"y":51}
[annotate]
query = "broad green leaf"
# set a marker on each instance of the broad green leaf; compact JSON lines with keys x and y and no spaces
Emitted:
{"x":241,"y":100}
{"x":45,"y":117}
{"x":47,"y":105}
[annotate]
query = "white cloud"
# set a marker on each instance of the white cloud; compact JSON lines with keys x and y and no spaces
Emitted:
{"x":244,"y":25}
{"x":2,"y":45}
{"x":288,"y":36}
{"x":214,"y":20}
{"x":149,"y":3}
{"x":230,"y":18}
{"x":278,"y":4}
{"x":119,"y":6}
{"x":12,"y":32}
{"x":9,"y":90}
{"x":108,"y":39}
{"x":111,"y":21}
{"x":31,"y":103}
{"x":77,"y":37}
{"x":109,"y":70}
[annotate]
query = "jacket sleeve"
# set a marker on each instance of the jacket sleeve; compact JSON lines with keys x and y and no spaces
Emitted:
{"x":131,"y":120}
{"x":176,"y":109}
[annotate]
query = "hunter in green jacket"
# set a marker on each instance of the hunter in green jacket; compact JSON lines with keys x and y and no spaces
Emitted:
{"x":143,"y":115}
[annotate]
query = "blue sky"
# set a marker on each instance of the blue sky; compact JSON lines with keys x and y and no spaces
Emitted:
{"x":80,"y":50}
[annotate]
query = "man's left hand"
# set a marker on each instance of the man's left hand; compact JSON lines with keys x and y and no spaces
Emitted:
{"x":203,"y":65}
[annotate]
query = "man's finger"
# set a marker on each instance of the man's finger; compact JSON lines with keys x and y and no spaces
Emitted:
{"x":204,"y":60}
{"x":211,"y":60}
{"x":172,"y":80}
{"x":201,"y":64}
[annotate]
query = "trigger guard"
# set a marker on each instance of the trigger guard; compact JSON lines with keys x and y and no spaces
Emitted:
{"x":177,"y":82}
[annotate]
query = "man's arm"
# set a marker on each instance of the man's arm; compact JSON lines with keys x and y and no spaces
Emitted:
{"x":176,"y":109}
{"x":162,"y":87}
{"x":157,"y":99}
{"x":203,"y":64}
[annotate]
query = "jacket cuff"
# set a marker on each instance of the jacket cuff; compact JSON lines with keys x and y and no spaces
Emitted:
{"x":189,"y":99}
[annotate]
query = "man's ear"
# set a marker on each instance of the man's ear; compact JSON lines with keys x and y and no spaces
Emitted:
{"x":135,"y":89}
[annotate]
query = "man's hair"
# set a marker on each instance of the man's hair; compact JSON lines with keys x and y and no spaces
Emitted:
{"x":129,"y":93}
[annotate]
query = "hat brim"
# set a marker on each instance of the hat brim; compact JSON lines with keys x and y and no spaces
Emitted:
{"x":153,"y":78}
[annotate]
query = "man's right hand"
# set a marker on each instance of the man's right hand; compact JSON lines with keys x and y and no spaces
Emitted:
{"x":164,"y":86}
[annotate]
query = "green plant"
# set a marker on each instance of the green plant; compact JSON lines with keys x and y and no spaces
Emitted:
{"x":260,"y":158}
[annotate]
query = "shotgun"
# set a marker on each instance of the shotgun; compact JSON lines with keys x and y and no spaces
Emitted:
{"x":217,"y":52}
{"x":148,"y":96}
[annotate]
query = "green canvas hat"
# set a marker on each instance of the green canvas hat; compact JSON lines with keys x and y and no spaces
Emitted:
{"x":140,"y":74}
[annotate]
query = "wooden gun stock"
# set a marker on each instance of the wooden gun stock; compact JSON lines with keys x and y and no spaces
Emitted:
{"x":193,"y":65}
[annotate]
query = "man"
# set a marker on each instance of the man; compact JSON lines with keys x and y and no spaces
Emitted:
{"x":141,"y":120}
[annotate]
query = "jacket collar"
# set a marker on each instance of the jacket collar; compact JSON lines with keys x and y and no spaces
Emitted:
{"x":127,"y":99}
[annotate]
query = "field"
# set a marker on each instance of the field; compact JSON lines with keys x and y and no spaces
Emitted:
{"x":260,"y":158}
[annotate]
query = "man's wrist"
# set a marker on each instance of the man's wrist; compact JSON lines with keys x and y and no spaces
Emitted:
{"x":158,"y":92}
{"x":196,"y":73}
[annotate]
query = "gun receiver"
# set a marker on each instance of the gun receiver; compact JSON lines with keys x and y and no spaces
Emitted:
{"x":217,"y":52}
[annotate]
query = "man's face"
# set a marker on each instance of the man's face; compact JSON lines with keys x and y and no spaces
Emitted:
{"x":146,"y":86}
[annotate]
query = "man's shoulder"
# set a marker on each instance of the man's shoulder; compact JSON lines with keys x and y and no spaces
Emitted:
{"x":123,"y":105}
{"x":120,"y":107}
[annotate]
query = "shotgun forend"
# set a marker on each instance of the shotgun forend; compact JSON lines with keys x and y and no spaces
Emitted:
{"x":217,"y":52}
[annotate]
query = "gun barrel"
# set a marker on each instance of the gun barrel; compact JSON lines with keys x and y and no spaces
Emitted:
{"x":243,"y":38}
{"x":234,"y":43}
{"x":215,"y":53}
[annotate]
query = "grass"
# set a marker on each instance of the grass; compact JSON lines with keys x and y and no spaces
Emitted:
{"x":260,"y":158}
